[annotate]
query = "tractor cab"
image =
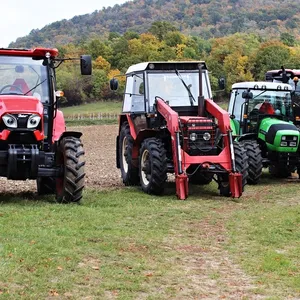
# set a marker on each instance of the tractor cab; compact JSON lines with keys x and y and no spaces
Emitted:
{"x":291,"y":77}
{"x":177,"y":83}
{"x":251,"y":102}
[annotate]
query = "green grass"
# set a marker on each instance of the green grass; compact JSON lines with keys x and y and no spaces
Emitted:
{"x":128,"y":245}
{"x":88,"y":122}
{"x":103,"y":107}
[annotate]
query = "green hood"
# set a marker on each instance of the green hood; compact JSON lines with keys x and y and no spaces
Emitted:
{"x":279,"y":135}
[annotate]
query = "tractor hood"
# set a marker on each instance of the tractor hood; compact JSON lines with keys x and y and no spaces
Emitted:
{"x":279,"y":135}
{"x":20,"y":104}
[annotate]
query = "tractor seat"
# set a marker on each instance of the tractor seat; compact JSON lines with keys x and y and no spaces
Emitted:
{"x":22,"y":85}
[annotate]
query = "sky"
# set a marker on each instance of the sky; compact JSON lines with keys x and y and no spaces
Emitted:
{"x":19,"y":17}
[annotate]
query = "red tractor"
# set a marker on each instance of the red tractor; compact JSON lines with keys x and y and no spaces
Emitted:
{"x":34,"y":143}
{"x":164,"y":129}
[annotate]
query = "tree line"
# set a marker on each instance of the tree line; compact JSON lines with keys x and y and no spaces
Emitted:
{"x":237,"y":57}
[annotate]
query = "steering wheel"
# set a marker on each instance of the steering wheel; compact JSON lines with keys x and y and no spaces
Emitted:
{"x":18,"y":90}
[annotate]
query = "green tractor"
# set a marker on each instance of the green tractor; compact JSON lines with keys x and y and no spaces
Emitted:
{"x":261,"y":118}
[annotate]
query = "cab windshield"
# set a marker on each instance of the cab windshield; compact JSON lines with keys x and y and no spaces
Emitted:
{"x":264,"y":101}
{"x":23,"y":76}
{"x":181,"y":89}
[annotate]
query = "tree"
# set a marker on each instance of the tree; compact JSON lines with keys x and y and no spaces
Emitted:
{"x":161,"y":28}
{"x":270,"y":55}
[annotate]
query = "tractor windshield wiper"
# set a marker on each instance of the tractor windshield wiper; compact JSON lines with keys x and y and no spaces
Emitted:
{"x":35,"y":87}
{"x":259,"y":94}
{"x":191,"y":97}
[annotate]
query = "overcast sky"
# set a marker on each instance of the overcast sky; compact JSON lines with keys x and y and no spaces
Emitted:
{"x":19,"y":17}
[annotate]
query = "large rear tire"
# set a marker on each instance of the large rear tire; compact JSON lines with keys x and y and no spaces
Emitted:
{"x":255,"y":161}
{"x":129,"y":171}
{"x":241,"y":165}
{"x":70,"y":156}
{"x":153,"y":166}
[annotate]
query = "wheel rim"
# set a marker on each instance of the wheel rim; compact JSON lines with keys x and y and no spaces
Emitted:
{"x":145,"y":167}
{"x":125,"y":154}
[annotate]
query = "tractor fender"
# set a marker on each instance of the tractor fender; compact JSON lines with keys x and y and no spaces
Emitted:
{"x":75,"y":134}
{"x":247,"y":136}
{"x":59,"y":126}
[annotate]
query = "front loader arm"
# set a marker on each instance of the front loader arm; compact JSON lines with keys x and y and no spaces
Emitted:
{"x":220,"y":114}
{"x":172,"y":120}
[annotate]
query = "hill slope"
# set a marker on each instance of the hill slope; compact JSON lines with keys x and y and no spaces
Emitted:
{"x":207,"y":18}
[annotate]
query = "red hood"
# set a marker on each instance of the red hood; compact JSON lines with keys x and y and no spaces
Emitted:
{"x":20,"y":104}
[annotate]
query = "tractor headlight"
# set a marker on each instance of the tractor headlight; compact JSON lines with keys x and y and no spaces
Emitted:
{"x":206,"y":136}
{"x":193,"y":136}
{"x":10,"y":121}
{"x":33,"y":121}
{"x":283,"y":144}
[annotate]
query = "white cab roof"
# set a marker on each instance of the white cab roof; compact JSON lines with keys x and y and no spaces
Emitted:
{"x":143,"y":66}
{"x":261,"y":85}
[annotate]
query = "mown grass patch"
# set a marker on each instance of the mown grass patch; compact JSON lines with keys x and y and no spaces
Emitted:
{"x":88,"y":122}
{"x":128,"y":245}
{"x":265,"y":236}
{"x":100,"y":106}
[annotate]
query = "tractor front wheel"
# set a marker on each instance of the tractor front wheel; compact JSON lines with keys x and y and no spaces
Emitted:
{"x":129,"y":172}
{"x":255,"y":161}
{"x":70,"y":157}
{"x":241,"y":165}
{"x":153,"y":166}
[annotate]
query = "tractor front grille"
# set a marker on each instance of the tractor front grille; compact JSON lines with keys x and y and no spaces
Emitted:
{"x":200,"y":135}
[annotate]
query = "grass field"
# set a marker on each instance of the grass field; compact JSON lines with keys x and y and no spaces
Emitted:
{"x":100,"y":106}
{"x":124,"y":244}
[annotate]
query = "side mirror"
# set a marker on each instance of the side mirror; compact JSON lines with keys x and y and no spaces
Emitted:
{"x":247,"y":95}
{"x":86,"y":64}
{"x":113,"y":84}
{"x":222,"y":83}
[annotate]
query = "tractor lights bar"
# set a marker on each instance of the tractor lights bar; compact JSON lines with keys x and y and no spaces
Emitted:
{"x":191,"y":65}
{"x":289,"y":141}
{"x":11,"y":121}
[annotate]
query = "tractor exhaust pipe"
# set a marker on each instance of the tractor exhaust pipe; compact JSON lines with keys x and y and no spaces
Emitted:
{"x":200,"y":97}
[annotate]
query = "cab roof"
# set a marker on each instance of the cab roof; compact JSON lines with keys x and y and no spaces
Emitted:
{"x":166,"y":66}
{"x":35,"y":52}
{"x":262,"y":85}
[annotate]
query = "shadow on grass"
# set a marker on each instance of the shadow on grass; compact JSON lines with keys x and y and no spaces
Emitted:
{"x":23,"y":198}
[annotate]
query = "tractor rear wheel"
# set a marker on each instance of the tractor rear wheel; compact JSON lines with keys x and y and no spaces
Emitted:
{"x":241,"y":165}
{"x":129,"y":172}
{"x":153,"y":166}
{"x":255,"y":161}
{"x":70,"y":156}
{"x":198,"y":177}
{"x":45,"y":185}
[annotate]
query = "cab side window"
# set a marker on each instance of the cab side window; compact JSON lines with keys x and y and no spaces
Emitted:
{"x":134,"y":100}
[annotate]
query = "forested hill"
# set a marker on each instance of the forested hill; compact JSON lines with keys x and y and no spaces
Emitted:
{"x":205,"y":18}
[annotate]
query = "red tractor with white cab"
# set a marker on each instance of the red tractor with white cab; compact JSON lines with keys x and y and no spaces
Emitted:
{"x":34,"y":143}
{"x":169,"y":124}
